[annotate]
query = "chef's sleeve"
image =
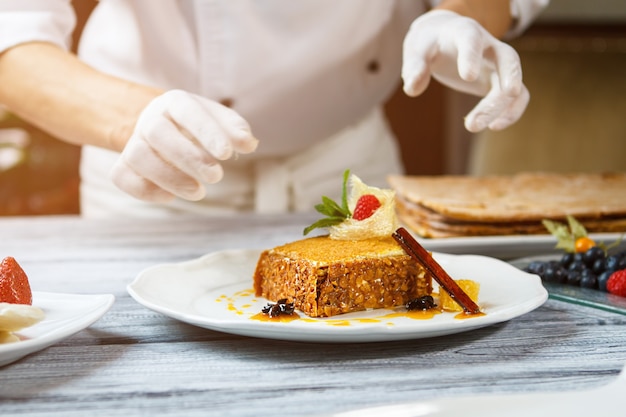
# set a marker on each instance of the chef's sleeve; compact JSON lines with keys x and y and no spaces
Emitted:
{"x":24,"y":21}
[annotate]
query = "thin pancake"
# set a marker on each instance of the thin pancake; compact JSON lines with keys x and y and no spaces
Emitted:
{"x":446,"y":206}
{"x":433,"y":225}
{"x":522,"y":197}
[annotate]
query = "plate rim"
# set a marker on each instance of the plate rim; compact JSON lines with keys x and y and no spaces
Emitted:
{"x":507,"y":246}
{"x":11,"y":352}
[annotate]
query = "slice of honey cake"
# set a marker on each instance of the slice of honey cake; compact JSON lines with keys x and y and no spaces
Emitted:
{"x":324,"y":277}
{"x":358,"y":266}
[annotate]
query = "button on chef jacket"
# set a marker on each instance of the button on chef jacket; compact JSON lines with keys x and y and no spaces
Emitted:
{"x":309,"y":76}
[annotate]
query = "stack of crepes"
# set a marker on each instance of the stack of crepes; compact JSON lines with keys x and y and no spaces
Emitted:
{"x":449,"y":206}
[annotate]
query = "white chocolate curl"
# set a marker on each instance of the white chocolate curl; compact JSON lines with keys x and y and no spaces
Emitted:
{"x":380,"y":224}
{"x":14,"y":317}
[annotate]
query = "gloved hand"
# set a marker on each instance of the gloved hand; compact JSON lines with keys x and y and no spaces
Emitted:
{"x":461,"y":54}
{"x":177,"y":144}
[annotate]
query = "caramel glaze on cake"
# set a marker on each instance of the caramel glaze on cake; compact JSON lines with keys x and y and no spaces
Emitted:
{"x":324,"y":277}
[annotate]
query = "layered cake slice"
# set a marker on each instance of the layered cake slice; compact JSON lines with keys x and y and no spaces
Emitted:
{"x":324,"y":277}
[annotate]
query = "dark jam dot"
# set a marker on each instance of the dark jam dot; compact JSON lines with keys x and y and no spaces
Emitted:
{"x":422,"y":303}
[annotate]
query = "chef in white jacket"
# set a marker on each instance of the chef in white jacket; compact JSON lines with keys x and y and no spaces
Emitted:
{"x":223,"y":106}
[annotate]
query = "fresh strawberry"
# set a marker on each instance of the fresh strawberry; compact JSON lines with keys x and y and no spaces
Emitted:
{"x":617,"y":283}
{"x":14,"y":286}
{"x":366,"y":205}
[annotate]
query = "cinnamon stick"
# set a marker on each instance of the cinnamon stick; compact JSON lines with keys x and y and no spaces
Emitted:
{"x":421,"y":255}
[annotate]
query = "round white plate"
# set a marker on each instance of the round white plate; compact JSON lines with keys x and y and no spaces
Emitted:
{"x":215,"y":292}
{"x":66,"y":314}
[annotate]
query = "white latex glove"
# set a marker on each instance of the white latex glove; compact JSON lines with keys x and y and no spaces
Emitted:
{"x":177,"y":144}
{"x":461,"y":54}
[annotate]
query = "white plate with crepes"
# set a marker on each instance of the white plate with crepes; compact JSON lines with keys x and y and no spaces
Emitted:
{"x":511,"y":246}
{"x":215,"y":292}
{"x":64,"y":316}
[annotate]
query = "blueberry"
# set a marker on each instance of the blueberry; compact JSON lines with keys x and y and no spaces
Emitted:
{"x":577,"y":266}
{"x":536,"y":267}
{"x":560,"y":275}
{"x":567,"y":259}
{"x":602,"y":280}
{"x":611,"y":263}
{"x":554,"y":273}
{"x":548,"y":273}
{"x":588,"y":279}
{"x":578,"y":257}
{"x":592,"y":254}
{"x":573,"y":277}
{"x":598,"y":266}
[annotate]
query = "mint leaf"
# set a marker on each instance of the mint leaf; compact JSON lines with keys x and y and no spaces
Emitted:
{"x":344,"y":193}
{"x":331,"y":209}
{"x":325,"y":222}
{"x":334,"y":212}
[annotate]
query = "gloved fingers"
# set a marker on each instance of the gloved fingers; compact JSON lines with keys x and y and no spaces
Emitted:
{"x":180,"y":150}
{"x":415,"y":76}
{"x":191,"y":116}
{"x":462,"y":55}
{"x":127,"y":180}
{"x":509,"y":68}
{"x":217,"y":128}
{"x":513,"y":113}
{"x":235,"y":126}
{"x":470,"y":49}
{"x":417,"y":55}
{"x":147,"y":163}
{"x":497,"y":110}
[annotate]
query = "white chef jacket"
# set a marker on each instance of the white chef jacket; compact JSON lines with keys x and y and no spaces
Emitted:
{"x":310,"y":76}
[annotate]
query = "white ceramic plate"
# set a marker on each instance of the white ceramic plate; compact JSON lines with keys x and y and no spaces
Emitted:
{"x":66,"y":314}
{"x":507,"y":247}
{"x":215,"y":292}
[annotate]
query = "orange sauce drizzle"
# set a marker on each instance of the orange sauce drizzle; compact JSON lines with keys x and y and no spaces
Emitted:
{"x":335,"y":322}
{"x":464,"y":316}
{"x":414,"y":314}
{"x":284,"y":318}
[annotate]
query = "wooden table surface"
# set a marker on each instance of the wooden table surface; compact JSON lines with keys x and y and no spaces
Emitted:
{"x":134,"y":361}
